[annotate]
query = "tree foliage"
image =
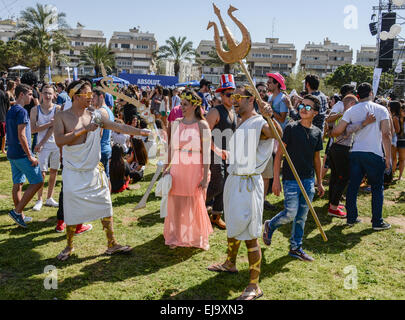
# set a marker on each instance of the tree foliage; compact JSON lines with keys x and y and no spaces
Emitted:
{"x":43,"y":33}
{"x":97,"y":54}
{"x":13,"y":53}
{"x":177,"y":49}
{"x":356,"y":73}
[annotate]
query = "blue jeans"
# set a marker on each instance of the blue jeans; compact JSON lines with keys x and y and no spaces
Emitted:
{"x":372,"y":165}
{"x":105,"y":158}
{"x":295,"y":209}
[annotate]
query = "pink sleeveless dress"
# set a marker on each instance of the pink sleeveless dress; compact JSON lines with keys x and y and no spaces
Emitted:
{"x":187,"y":223}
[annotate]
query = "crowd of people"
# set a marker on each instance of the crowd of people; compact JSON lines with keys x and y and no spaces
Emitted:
{"x":222,"y":156}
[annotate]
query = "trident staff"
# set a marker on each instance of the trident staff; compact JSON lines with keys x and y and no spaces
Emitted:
{"x":237,"y":52}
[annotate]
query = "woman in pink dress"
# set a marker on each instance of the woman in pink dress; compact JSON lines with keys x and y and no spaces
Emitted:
{"x":187,"y":223}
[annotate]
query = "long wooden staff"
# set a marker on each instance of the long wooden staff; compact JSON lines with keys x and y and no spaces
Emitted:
{"x":237,"y":52}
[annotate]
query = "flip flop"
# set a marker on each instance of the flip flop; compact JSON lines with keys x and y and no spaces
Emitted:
{"x":63,"y":256}
{"x":120,"y":249}
{"x":253,"y":294}
{"x":220,"y":268}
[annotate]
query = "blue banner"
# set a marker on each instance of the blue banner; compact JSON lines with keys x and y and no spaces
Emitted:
{"x":75,"y":74}
{"x":144,"y":80}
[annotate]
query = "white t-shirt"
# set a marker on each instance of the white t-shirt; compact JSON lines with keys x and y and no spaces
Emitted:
{"x":68,"y":105}
{"x":368,"y":139}
{"x":338,"y":107}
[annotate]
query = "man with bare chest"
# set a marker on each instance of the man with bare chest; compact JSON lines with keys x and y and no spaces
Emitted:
{"x":86,"y":195}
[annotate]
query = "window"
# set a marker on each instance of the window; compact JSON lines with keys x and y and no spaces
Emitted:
{"x":125,"y":45}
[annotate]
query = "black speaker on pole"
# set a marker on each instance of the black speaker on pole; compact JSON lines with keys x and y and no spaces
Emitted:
{"x":386,"y":56}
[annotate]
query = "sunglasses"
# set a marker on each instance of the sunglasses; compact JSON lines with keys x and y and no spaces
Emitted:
{"x":307,"y":107}
{"x":262,"y":91}
{"x":228,"y":95}
{"x":88,"y":95}
{"x":238,"y":97}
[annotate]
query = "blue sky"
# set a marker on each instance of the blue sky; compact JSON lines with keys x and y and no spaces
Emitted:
{"x":295,"y":21}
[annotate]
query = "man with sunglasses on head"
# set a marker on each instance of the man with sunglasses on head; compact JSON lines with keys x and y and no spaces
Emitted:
{"x":222,"y":120}
{"x":303,"y":142}
{"x":86,"y":192}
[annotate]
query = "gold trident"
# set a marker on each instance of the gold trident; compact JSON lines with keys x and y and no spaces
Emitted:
{"x":237,"y":52}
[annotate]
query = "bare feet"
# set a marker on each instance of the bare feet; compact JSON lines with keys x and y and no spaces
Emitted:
{"x":65,"y":254}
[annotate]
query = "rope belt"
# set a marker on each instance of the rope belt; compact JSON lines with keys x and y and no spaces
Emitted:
{"x":248,"y":178}
{"x":101,"y":169}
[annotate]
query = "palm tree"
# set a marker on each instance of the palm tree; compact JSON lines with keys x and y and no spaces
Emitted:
{"x":43,"y":32}
{"x":215,"y":61}
{"x":97,"y":54}
{"x":178,"y":50}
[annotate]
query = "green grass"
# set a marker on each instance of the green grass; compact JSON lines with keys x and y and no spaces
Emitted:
{"x":152,"y":271}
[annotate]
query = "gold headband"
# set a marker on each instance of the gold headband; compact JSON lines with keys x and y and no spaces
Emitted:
{"x":190,"y":98}
{"x":75,"y":89}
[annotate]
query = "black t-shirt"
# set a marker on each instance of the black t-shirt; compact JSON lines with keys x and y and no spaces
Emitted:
{"x":302,"y":143}
{"x":118,"y":182}
{"x":28,"y":107}
{"x":4,"y":105}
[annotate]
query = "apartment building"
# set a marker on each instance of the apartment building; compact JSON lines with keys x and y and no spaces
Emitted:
{"x":134,"y":51}
{"x":271,"y":56}
{"x":79,"y":40}
{"x":264,"y":57}
{"x":8,"y":29}
{"x":324,"y":58}
{"x":367,"y":56}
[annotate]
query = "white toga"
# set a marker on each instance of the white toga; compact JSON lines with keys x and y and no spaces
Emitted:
{"x":86,"y":195}
{"x":244,"y":189}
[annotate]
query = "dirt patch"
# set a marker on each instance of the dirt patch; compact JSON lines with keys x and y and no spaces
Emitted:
{"x":3,"y":197}
{"x":399,"y":222}
{"x":128,"y":220}
{"x":395,"y":221}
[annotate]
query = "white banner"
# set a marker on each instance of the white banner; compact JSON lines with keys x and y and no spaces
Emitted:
{"x":398,"y":69}
{"x":376,"y":80}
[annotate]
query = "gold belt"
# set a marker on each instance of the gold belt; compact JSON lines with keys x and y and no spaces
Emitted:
{"x":248,"y":178}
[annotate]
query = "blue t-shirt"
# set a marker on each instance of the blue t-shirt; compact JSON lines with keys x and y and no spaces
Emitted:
{"x":106,"y":138}
{"x":15,"y":116}
{"x":62,"y":98}
{"x":279,"y":106}
{"x":205,"y":103}
{"x":109,"y":100}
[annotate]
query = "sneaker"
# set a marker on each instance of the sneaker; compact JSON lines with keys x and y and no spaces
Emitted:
{"x":216,"y":219}
{"x":17,"y":218}
{"x":37,"y":206}
{"x":300,"y":254}
{"x":83,"y":228}
{"x":27,"y":219}
{"x":383,"y":226}
{"x":269,"y":206}
{"x":60,"y":227}
{"x":267,"y":234}
{"x":337,"y":213}
{"x":356,"y":222}
{"x":51,"y":203}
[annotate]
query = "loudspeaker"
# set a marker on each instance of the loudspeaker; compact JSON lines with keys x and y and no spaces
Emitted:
{"x":373,"y":28}
{"x":386,"y":56}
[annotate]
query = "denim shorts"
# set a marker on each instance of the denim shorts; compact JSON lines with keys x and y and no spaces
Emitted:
{"x":22,"y":168}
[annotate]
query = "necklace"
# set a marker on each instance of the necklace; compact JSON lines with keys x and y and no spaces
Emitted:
{"x":305,"y":130}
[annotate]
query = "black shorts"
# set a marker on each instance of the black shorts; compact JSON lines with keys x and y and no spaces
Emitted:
{"x":2,"y":129}
{"x":401,"y":144}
